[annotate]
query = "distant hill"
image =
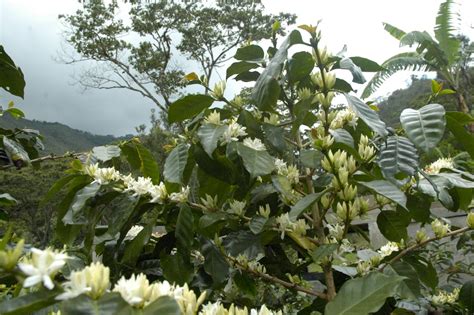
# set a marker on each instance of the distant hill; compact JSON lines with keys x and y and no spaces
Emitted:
{"x":59,"y":138}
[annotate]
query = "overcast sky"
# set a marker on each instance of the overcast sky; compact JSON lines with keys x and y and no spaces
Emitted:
{"x":31,"y":34}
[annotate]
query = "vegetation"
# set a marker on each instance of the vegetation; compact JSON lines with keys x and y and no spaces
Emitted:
{"x":257,"y":207}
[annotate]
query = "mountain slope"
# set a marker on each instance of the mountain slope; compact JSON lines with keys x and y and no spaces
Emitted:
{"x":58,"y":138}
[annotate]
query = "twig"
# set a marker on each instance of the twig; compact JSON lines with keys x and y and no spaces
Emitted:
{"x":421,"y":244}
{"x":274,"y":279}
{"x":47,"y":157}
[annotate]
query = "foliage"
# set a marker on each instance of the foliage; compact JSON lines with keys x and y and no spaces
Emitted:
{"x":144,"y":62}
{"x":448,"y":53}
{"x":269,"y":188}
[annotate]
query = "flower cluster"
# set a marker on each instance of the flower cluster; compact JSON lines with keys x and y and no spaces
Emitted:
{"x":93,"y":280}
{"x":102,"y":176}
{"x":233,"y":132}
{"x":255,"y":144}
{"x":435,"y":167}
{"x":444,"y":297}
{"x":439,"y":228}
{"x":290,"y":172}
{"x":218,"y":309}
{"x":42,"y":267}
{"x":286,"y":225}
{"x":344,"y":117}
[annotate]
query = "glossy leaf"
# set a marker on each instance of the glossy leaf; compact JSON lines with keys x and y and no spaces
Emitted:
{"x":164,"y":305}
{"x":256,"y":162}
{"x":466,"y":295}
{"x":267,"y":89}
{"x":185,"y":228}
{"x":323,"y":251}
{"x":398,"y":156}
{"x":424,"y":127}
{"x":388,"y":190}
{"x":240,"y":67}
{"x":368,"y":115}
{"x":356,"y":71}
{"x":148,"y":165}
{"x":249,"y":53}
{"x":366,"y":65}
{"x":365,"y":295}
{"x":105,"y":153}
{"x":393,"y":225}
{"x":6,"y":200}
{"x":28,"y":303}
{"x":109,"y":304}
{"x":11,"y":76}
{"x":75,"y":213}
{"x":215,"y":265}
{"x":300,"y":65}
{"x":176,"y":163}
{"x":311,"y":158}
{"x":188,"y":106}
{"x":177,"y":268}
{"x":303,"y":204}
{"x":134,"y":248}
{"x":455,"y":123}
{"x":209,"y":134}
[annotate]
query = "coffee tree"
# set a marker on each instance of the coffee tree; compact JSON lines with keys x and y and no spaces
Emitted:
{"x":257,"y":206}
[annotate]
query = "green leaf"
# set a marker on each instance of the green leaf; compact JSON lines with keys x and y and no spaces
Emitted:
{"x":257,"y":224}
{"x":240,"y":67}
{"x":177,"y":268}
{"x":6,"y":200}
{"x":188,"y":106}
{"x":105,"y":153}
{"x":148,"y":165}
{"x":209,"y":134}
{"x":11,"y":77}
{"x":311,"y":158}
{"x":250,"y":53}
{"x":29,"y":303}
{"x":419,"y":206}
{"x":393,"y":225}
{"x":267,"y":89}
{"x":366,"y":65}
{"x":243,"y":242}
{"x":388,"y":190}
{"x":15,"y":112}
{"x":357,"y":75}
{"x":15,"y":151}
{"x":368,"y":115}
{"x":215,"y":265}
{"x":343,"y":86}
{"x":424,"y":127}
{"x":257,"y":163}
{"x":299,"y":66}
{"x":446,"y":29}
{"x":109,"y":304}
{"x":466,"y":295}
{"x":275,"y":136}
{"x":303,"y":204}
{"x":394,"y":31}
{"x":425,"y":270}
{"x":343,"y":136}
{"x":75,"y":213}
{"x":57,"y":186}
{"x":398,"y":156}
{"x":164,"y":305}
{"x":365,"y":295}
{"x":410,"y":287}
{"x":185,"y":228}
{"x":176,"y":163}
{"x":455,"y":123}
{"x":134,"y":248}
{"x":323,"y":251}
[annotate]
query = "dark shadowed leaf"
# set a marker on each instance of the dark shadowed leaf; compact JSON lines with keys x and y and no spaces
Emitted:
{"x":188,"y":106}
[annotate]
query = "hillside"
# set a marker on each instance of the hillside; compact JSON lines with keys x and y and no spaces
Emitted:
{"x":58,"y":138}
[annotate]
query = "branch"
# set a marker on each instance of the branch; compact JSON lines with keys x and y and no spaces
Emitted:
{"x":48,"y":157}
{"x":421,"y":244}
{"x":273,"y":279}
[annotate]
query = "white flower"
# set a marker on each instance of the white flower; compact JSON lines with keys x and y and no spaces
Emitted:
{"x":233,"y":132}
{"x":346,"y":246}
{"x":237,"y":207}
{"x":42,"y":267}
{"x":133,"y":232}
{"x":186,"y":299}
{"x":182,"y":196}
{"x":92,"y":280}
{"x":280,"y":166}
{"x":139,"y":187}
{"x":336,"y":231}
{"x":218,"y":91}
{"x":255,"y":144}
{"x":210,"y":203}
{"x":274,"y":119}
{"x":136,"y":291}
{"x":213,"y":118}
{"x":300,"y":227}
{"x":284,"y":224}
{"x":91,"y":169}
{"x":388,"y":249}
{"x":439,"y":229}
{"x":435,"y":167}
{"x":444,"y":297}
{"x":158,"y":193}
{"x":291,"y":172}
{"x":343,"y":117}
{"x":264,"y":211}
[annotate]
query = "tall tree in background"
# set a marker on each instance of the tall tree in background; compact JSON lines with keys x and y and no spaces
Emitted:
{"x":139,"y":53}
{"x":447,"y":53}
